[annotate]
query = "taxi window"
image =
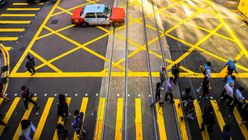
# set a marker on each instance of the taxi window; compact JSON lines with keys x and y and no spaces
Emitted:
{"x":90,"y":15}
{"x":101,"y":15}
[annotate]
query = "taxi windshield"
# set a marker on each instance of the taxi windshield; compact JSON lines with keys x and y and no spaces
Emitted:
{"x":107,"y":10}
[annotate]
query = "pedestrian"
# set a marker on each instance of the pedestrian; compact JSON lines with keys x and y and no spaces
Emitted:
{"x":238,"y":98}
{"x":205,"y":85}
{"x":77,"y":123}
{"x":27,"y":127}
{"x":208,"y":119}
{"x":229,"y":79}
{"x":162,"y":72}
{"x":188,"y":106}
{"x":6,"y":99}
{"x":62,"y":132}
{"x":244,"y":113}
{"x":27,"y":97}
{"x":228,"y":95}
{"x":175,"y":72}
{"x":206,"y":69}
{"x":1,"y":119}
{"x":186,"y":94}
{"x":157,"y":95}
{"x":30,"y":64}
{"x":169,"y":88}
{"x":231,"y":67}
{"x":226,"y":134}
{"x":62,"y":107}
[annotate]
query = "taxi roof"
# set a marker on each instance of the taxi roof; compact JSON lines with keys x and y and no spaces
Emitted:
{"x":91,"y":8}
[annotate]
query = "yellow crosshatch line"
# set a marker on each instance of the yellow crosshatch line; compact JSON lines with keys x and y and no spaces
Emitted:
{"x":102,"y":73}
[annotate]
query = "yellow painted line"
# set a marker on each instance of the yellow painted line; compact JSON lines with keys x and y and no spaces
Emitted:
{"x":62,"y":9}
{"x":8,"y":48}
{"x":25,"y":116}
{"x":1,"y":101}
{"x":235,"y":11}
{"x":23,"y":9}
{"x":24,"y":4}
{"x":55,"y":136}
{"x":160,"y":122}
{"x":9,"y":113}
{"x":181,"y":123}
{"x":15,"y":22}
{"x":218,"y":115}
{"x":45,"y":61}
{"x":100,"y":117}
{"x":198,"y":113}
{"x":119,"y":119}
{"x":138,"y":119}
{"x":242,"y":127}
{"x":8,"y":38}
{"x":17,"y":15}
{"x":113,"y":74}
{"x":82,"y":109}
{"x":43,"y":118}
{"x":12,"y":29}
{"x":34,"y":38}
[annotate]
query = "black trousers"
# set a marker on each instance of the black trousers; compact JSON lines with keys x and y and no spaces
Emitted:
{"x":176,"y":76}
{"x":29,"y":100}
{"x":171,"y":96}
{"x":31,"y":70}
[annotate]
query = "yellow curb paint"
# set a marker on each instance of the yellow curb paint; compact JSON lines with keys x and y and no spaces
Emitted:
{"x":242,"y":127}
{"x":55,"y":136}
{"x":138,"y":119}
{"x":12,"y":29}
{"x":17,"y":15}
{"x":8,"y":38}
{"x":23,"y":9}
{"x":198,"y":113}
{"x":82,"y":109}
{"x":100,"y":117}
{"x":43,"y":118}
{"x":119,"y":119}
{"x":25,"y":117}
{"x":15,"y":22}
{"x":181,"y":122}
{"x":160,"y":122}
{"x":218,"y":115}
{"x":9,"y":113}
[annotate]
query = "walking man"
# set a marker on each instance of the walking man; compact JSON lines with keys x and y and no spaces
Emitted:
{"x":208,"y":119}
{"x":238,"y":98}
{"x":205,"y":85}
{"x":175,"y":72}
{"x":206,"y":69}
{"x":27,"y":97}
{"x":77,"y":123}
{"x":162,"y":72}
{"x":169,"y":88}
{"x":30,"y":64}
{"x":62,"y":107}
{"x":27,"y":127}
{"x":231,"y":66}
{"x":157,"y":95}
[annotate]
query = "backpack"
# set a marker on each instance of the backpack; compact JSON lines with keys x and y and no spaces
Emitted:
{"x":77,"y":123}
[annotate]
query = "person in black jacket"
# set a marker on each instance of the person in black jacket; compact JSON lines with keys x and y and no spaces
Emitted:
{"x":175,"y":72}
{"x":62,"y":132}
{"x":62,"y":107}
{"x":157,"y":95}
{"x":208,"y":119}
{"x":27,"y":97}
{"x":30,"y":64}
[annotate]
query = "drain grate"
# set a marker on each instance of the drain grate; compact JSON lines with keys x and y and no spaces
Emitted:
{"x":55,"y":21}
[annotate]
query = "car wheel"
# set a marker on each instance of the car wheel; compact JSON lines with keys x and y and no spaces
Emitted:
{"x":116,"y":24}
{"x":84,"y":24}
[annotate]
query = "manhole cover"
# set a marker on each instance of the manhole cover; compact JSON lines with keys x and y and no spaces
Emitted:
{"x":172,"y":10}
{"x":55,"y":21}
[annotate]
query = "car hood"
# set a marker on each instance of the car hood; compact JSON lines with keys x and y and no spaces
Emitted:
{"x":117,"y":13}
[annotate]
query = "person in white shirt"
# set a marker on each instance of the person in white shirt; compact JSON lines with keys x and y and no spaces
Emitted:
{"x":27,"y":127}
{"x":238,"y":98}
{"x":229,"y":93}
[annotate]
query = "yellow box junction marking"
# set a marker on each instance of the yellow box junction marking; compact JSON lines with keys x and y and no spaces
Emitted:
{"x":12,"y":29}
{"x":119,"y":119}
{"x":55,"y":136}
{"x":9,"y":113}
{"x":218,"y":115}
{"x":25,"y":117}
{"x":82,"y":109}
{"x":17,"y":15}
{"x":15,"y":22}
{"x":241,"y":126}
{"x":138,"y":119}
{"x":8,"y":38}
{"x":24,"y":4}
{"x":181,"y":122}
{"x":43,"y":118}
{"x":23,"y":9}
{"x":160,"y":122}
{"x":198,"y":113}
{"x":100,"y":117}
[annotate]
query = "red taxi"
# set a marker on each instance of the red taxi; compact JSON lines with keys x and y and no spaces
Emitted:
{"x":98,"y":14}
